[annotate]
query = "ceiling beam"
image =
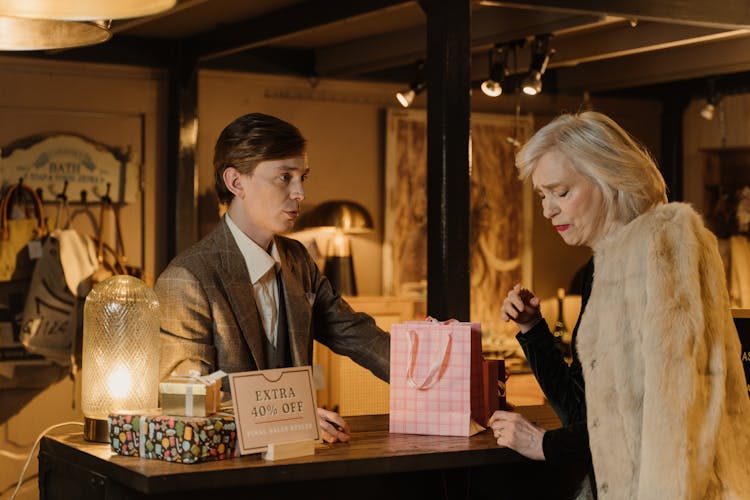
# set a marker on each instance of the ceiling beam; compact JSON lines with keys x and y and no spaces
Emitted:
{"x":406,"y":46}
{"x":728,"y":14}
{"x":281,"y":24}
{"x":120,"y":49}
{"x":695,"y":61}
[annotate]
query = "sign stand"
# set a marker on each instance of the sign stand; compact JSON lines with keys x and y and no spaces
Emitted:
{"x":290,"y":449}
{"x":275,"y":412}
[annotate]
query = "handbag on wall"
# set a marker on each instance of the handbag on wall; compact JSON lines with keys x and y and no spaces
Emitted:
{"x":19,"y":230}
{"x":20,"y":246}
{"x":50,"y":317}
{"x":436,"y":378}
{"x":112,"y":260}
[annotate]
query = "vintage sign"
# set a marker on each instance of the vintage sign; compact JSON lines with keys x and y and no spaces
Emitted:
{"x":48,"y":161}
{"x":273,"y":406}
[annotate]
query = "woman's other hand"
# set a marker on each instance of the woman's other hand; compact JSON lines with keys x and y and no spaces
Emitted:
{"x":513,"y":431}
{"x":334,"y":427}
{"x":521,"y":306}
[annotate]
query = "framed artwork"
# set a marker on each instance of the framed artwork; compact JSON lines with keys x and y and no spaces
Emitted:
{"x":500,"y":215}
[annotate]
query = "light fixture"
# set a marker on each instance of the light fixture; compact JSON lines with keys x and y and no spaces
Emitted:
{"x":540,"y":55}
{"x":418,"y":85}
{"x":120,"y":362}
{"x":18,"y":33}
{"x":498,"y":71}
{"x":83,"y":10}
{"x":342,"y":218}
{"x":708,"y":110}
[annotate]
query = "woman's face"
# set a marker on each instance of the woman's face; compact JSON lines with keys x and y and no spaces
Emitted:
{"x":573,"y":204}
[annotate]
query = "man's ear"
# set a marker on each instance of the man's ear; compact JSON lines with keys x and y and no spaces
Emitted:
{"x":233,"y":181}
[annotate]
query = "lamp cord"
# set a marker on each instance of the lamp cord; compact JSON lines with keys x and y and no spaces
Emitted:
{"x":31,"y":454}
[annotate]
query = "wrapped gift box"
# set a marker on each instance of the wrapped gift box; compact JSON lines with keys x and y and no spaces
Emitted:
{"x":124,"y":433}
{"x":172,"y":438}
{"x":191,"y":396}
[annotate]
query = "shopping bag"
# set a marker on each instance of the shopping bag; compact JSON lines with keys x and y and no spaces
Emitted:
{"x":20,"y":233}
{"x":20,"y":246}
{"x":50,"y":324}
{"x":436,"y":378}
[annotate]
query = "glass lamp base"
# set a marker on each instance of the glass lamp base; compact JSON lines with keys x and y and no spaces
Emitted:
{"x":95,"y":430}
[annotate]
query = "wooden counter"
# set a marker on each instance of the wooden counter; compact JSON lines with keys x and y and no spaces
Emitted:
{"x":373,"y":464}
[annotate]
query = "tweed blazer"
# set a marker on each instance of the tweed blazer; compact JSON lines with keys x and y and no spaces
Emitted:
{"x":667,"y":408}
{"x":210,"y":321}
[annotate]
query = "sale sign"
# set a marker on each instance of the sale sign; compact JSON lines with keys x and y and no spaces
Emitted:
{"x":273,"y":406}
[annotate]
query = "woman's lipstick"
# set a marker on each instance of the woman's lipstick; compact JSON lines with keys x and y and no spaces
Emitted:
{"x":562,"y":228}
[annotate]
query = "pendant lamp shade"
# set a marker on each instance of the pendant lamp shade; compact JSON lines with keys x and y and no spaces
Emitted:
{"x":83,"y":10}
{"x":18,"y":33}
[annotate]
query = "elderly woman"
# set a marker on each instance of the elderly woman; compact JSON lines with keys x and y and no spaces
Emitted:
{"x":664,"y":409}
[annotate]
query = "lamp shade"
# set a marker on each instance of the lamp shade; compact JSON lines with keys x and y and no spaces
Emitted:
{"x":348,"y":216}
{"x":345,"y":217}
{"x":83,"y":10}
{"x":120,"y":362}
{"x":17,"y":33}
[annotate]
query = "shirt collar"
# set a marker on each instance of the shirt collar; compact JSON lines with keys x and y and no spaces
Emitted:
{"x":257,"y":260}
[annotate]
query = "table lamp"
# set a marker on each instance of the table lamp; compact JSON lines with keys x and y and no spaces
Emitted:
{"x":120,"y":360}
{"x":344,"y":218}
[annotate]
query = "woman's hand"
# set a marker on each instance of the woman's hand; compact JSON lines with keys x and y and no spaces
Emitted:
{"x":515,"y":432}
{"x":334,"y":427}
{"x":521,"y":306}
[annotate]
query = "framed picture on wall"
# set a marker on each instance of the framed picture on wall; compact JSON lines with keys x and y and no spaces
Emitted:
{"x":500,"y":215}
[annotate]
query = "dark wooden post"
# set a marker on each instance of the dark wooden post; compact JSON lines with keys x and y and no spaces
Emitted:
{"x":182,"y":160}
{"x":448,"y":108}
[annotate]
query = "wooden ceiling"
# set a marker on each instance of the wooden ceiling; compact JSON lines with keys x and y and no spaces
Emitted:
{"x":599,"y":46}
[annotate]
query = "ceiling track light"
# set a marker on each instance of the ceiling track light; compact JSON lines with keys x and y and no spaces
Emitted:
{"x":498,"y":71}
{"x":712,"y":101}
{"x":709,"y":109}
{"x":417,"y":86}
{"x":540,"y":56}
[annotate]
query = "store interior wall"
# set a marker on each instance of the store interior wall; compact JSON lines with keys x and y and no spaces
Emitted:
{"x":344,"y":123}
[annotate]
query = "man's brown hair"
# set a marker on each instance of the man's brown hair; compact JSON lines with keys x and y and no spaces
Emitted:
{"x":249,"y":140}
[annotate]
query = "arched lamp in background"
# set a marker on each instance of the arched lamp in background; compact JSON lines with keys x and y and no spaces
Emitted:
{"x":344,"y":218}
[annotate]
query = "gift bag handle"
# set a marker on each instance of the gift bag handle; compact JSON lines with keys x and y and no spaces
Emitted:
{"x":436,"y":361}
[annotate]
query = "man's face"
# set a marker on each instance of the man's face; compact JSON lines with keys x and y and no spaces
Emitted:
{"x":267,"y":201}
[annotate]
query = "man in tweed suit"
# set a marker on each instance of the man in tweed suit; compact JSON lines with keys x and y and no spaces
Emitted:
{"x":245,"y":298}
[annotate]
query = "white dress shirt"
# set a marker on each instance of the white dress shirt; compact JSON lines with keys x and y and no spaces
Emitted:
{"x":262,"y":268}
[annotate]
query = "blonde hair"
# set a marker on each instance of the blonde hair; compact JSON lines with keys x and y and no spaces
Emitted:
{"x":599,"y":149}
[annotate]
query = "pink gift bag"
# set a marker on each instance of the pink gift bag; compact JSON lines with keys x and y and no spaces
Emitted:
{"x":436,"y":378}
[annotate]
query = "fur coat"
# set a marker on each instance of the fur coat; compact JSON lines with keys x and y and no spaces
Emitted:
{"x":668,"y":408}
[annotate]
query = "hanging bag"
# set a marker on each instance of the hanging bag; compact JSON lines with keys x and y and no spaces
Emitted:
{"x":50,"y":316}
{"x":20,"y":246}
{"x":436,"y":378}
{"x":112,"y":260}
{"x":21,"y":234}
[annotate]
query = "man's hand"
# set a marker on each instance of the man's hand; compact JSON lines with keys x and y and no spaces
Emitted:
{"x":515,"y":432}
{"x":334,"y":427}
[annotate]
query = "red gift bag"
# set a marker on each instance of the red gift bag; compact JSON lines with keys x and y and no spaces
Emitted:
{"x":436,"y":378}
